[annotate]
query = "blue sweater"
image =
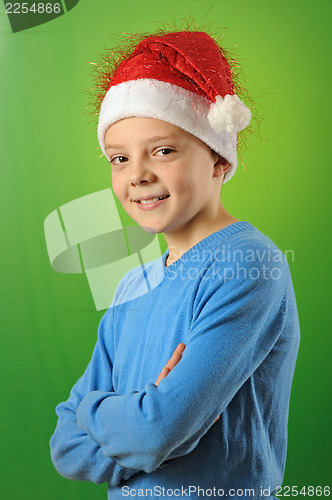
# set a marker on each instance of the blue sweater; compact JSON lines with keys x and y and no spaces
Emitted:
{"x":230,"y":299}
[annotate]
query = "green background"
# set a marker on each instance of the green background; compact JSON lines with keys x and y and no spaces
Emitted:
{"x":49,"y":157}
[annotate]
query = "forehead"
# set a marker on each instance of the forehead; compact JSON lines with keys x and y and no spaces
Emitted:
{"x":144,"y":129}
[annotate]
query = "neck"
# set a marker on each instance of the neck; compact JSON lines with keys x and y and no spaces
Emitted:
{"x":179,"y":242}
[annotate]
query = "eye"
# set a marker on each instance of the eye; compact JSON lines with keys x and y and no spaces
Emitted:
{"x":118,"y":160}
{"x":164,"y":151}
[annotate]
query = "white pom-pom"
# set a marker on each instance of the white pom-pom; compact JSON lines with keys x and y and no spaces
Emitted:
{"x":229,"y":114}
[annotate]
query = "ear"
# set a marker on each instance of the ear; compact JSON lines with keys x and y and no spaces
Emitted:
{"x":221,"y":166}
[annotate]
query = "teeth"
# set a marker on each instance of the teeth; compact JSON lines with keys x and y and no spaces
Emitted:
{"x":151,"y":200}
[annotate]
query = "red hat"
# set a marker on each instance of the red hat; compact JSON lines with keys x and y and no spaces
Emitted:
{"x":181,"y":78}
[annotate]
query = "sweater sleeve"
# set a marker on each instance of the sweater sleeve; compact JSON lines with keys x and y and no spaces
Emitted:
{"x":235,"y":325}
{"x":74,"y":453}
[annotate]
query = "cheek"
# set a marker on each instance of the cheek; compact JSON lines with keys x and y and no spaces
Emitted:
{"x":178,"y":181}
{"x":192,"y":177}
{"x":182,"y":187}
{"x":118,"y":185}
{"x":186,"y":195}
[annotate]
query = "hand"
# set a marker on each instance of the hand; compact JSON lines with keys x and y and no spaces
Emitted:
{"x":172,"y":362}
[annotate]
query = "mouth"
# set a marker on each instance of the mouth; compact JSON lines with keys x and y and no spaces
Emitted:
{"x":149,"y":201}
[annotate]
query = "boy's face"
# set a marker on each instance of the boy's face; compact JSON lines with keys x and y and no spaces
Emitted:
{"x":166,"y":179}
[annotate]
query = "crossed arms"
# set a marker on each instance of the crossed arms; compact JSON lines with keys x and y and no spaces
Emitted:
{"x":102,"y":436}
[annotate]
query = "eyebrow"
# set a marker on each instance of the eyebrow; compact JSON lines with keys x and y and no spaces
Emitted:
{"x":151,"y":139}
{"x":115,"y":146}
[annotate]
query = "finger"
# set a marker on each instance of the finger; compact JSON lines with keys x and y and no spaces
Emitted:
{"x":164,"y":372}
{"x":216,"y":420}
{"x":173,"y":361}
{"x":177,"y":355}
{"x":180,"y":348}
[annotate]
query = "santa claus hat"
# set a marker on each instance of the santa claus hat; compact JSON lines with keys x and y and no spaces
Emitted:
{"x":182,"y":78}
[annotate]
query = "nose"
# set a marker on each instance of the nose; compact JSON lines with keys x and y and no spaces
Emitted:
{"x":140,"y":173}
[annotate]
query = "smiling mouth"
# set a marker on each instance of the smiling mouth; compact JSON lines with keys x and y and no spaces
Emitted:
{"x":152,"y":200}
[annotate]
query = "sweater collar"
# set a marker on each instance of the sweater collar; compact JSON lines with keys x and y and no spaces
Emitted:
{"x":210,"y":240}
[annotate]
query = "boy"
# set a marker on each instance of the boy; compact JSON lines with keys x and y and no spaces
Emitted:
{"x":220,"y":299}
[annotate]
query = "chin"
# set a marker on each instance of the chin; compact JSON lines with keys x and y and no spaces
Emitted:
{"x":151,"y":230}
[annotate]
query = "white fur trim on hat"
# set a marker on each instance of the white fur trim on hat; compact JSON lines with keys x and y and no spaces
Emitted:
{"x":173,"y":104}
